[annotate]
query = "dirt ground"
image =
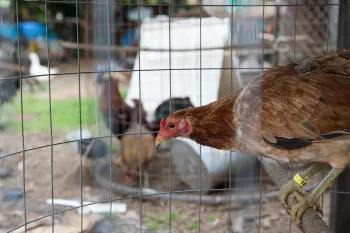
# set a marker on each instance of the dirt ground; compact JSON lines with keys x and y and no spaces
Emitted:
{"x":63,"y":168}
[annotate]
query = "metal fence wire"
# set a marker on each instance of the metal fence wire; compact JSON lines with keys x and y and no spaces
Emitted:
{"x":169,"y":55}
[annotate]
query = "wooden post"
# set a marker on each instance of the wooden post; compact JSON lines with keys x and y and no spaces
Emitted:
{"x":87,"y":27}
{"x":99,"y":28}
{"x":340,"y":214}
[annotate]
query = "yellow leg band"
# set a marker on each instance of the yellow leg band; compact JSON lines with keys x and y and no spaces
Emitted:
{"x":297,"y":178}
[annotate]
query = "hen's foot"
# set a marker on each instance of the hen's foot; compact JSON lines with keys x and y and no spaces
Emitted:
{"x":298,"y":210}
{"x":146,"y":180}
{"x":311,"y":200}
{"x":290,"y":188}
{"x":295,"y":185}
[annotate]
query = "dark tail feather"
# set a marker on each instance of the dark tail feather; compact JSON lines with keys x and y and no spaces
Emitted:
{"x":8,"y":89}
{"x":345,"y":54}
{"x":135,"y":117}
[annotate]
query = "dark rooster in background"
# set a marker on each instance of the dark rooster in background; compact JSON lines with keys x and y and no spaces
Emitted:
{"x":121,"y":113}
{"x":297,"y":114}
{"x":163,"y":110}
{"x":9,"y":87}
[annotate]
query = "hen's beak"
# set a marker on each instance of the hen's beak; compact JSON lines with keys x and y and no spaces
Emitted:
{"x":159,"y":139}
{"x":33,"y":47}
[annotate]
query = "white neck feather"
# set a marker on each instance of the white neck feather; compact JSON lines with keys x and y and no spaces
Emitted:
{"x":34,"y":59}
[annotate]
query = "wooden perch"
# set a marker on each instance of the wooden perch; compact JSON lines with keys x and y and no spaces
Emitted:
{"x":12,"y":67}
{"x":102,"y":179}
{"x":311,"y":221}
{"x":239,"y":49}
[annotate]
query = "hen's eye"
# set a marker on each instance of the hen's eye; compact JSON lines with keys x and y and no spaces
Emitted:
{"x":171,"y":125}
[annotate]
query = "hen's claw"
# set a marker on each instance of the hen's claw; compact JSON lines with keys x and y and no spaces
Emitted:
{"x":298,"y":210}
{"x":306,"y":200}
{"x":316,"y":204}
{"x":287,"y":189}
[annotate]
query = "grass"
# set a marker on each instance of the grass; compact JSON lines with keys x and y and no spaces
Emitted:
{"x":159,"y":221}
{"x":193,"y":225}
{"x":152,"y":225}
{"x":65,"y":114}
{"x":114,"y":148}
{"x":113,"y":216}
{"x":175,"y":216}
{"x":211,"y":218}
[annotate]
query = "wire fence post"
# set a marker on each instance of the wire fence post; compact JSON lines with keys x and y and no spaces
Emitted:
{"x":340,"y":216}
{"x":103,"y":46}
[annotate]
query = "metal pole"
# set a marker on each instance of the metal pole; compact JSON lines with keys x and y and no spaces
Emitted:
{"x":340,"y":215}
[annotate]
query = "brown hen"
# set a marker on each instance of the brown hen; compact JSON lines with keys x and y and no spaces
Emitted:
{"x":129,"y":159}
{"x":297,"y":113}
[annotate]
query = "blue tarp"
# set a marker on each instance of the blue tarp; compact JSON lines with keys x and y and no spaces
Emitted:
{"x":30,"y":30}
{"x":129,"y":37}
{"x":9,"y":31}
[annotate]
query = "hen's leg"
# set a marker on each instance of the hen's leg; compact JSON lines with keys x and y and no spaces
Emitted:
{"x":40,"y":85}
{"x":146,"y":179}
{"x":31,"y":86}
{"x":309,"y":201}
{"x":296,"y":188}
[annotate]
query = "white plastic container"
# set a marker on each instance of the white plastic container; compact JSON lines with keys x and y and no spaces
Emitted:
{"x":213,"y":8}
{"x":75,"y":135}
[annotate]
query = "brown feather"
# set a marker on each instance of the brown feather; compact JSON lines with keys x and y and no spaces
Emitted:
{"x":288,"y":113}
{"x":117,"y":161}
{"x":306,"y":100}
{"x":131,"y":148}
{"x":214,"y":119}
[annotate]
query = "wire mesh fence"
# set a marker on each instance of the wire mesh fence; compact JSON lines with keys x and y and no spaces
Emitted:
{"x":62,"y":132}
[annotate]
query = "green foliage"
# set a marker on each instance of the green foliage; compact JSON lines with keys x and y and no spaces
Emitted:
{"x":5,"y":3}
{"x":36,"y":9}
{"x":124,"y":93}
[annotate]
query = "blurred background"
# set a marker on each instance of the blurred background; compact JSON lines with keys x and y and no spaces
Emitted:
{"x":71,"y":69}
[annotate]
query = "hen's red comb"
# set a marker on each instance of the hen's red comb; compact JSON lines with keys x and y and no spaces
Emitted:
{"x":162,"y":123}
